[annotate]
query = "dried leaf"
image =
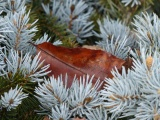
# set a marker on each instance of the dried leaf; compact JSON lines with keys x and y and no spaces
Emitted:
{"x":128,"y":63}
{"x":79,"y":61}
{"x":79,"y":118}
{"x":93,"y":47}
{"x":46,"y":118}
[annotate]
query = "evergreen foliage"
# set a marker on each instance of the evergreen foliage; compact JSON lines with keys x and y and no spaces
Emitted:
{"x":124,"y":28}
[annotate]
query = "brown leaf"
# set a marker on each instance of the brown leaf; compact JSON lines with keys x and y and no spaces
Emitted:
{"x":128,"y":63}
{"x":93,"y":47}
{"x":46,"y":118}
{"x":79,"y":61}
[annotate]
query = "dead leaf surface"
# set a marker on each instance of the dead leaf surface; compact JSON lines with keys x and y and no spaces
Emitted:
{"x":79,"y":61}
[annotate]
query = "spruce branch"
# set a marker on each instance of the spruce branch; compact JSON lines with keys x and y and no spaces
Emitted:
{"x":50,"y":93}
{"x":2,"y":4}
{"x":133,"y":93}
{"x":75,"y":14}
{"x":46,"y":38}
{"x":110,"y":8}
{"x":147,"y":73}
{"x":55,"y":30}
{"x":84,"y":95}
{"x":31,"y":47}
{"x":116,"y":37}
{"x":99,"y":113}
{"x":121,"y":94}
{"x":131,"y":2}
{"x":116,"y":9}
{"x":109,"y":28}
{"x":12,"y":6}
{"x":60,"y":112}
{"x":148,"y":110}
{"x":147,"y":29}
{"x":13,"y":98}
{"x":29,"y":68}
{"x":23,"y":32}
{"x":26,"y":110}
{"x":53,"y":94}
{"x":55,"y":8}
{"x":116,"y":47}
{"x":144,"y":64}
{"x":152,"y":89}
{"x":3,"y":27}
